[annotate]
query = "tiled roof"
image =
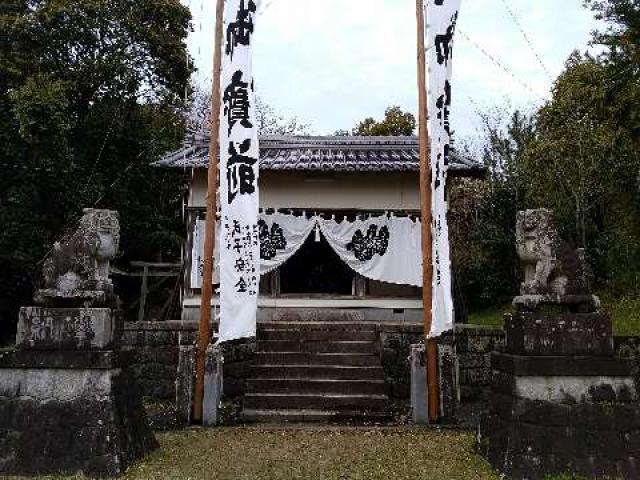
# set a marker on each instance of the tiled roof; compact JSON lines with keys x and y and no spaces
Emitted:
{"x":341,"y":154}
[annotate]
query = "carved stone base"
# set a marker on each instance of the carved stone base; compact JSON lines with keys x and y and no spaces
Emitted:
{"x":85,"y":418}
{"x":42,"y":328}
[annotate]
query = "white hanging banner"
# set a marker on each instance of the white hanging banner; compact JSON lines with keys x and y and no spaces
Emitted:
{"x":239,"y":153}
{"x":387,"y":249}
{"x":441,"y":17}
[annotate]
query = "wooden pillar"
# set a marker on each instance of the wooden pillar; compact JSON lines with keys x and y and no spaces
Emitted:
{"x":425,"y":204}
{"x":204,"y":332}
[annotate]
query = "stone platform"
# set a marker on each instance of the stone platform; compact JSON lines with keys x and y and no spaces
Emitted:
{"x":552,"y":415}
{"x":63,"y":412}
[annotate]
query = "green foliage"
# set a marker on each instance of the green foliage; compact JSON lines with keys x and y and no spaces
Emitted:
{"x":89,"y":96}
{"x":577,"y":155}
{"x":482,"y":215}
{"x":395,"y":123}
{"x":621,"y":40}
{"x":584,"y":165}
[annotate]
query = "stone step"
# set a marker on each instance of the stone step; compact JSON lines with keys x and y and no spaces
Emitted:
{"x":335,"y":402}
{"x":336,"y":372}
{"x":316,"y":386}
{"x":309,"y":416}
{"x":306,"y":358}
{"x":319,"y":346}
{"x":292,"y":335}
{"x":319,"y":326}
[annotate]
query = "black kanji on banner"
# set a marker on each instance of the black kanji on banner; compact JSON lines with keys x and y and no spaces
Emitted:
{"x":241,"y":176}
{"x":240,"y":31}
{"x":365,"y":247}
{"x":270,"y":240}
{"x":444,"y":42}
{"x":237,"y":103}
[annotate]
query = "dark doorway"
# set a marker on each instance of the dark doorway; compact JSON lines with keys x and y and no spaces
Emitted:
{"x":316,"y":269}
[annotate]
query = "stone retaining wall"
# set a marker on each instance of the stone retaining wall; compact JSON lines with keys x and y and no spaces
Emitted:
{"x":155,"y":347}
{"x":474,"y":345}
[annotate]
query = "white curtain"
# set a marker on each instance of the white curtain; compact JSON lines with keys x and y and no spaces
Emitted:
{"x":441,"y":19}
{"x":386,"y":248}
{"x":197,"y":255}
{"x":281,"y":236}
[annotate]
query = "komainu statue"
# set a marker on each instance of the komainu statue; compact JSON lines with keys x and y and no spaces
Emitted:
{"x":551,"y":266}
{"x":79,"y":266}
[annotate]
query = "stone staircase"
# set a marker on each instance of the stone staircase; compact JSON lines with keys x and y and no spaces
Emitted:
{"x":315,"y":372}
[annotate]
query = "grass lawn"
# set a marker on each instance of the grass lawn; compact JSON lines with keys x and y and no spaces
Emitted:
{"x":318,"y":454}
{"x":625,"y":313}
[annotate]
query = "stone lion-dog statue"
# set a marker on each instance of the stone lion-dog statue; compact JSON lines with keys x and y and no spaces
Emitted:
{"x":551,"y":266}
{"x":82,"y":261}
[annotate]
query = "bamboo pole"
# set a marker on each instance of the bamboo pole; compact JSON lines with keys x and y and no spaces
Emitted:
{"x":425,"y":205}
{"x":204,"y":332}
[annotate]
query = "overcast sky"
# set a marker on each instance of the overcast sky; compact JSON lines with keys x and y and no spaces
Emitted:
{"x":332,"y":63}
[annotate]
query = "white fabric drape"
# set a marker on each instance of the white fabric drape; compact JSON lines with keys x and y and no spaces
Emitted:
{"x":281,"y":236}
{"x":441,"y":18}
{"x":387,"y":249}
{"x":239,"y":154}
{"x":197,"y":255}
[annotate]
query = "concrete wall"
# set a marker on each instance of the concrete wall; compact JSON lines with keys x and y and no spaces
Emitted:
{"x":328,"y":191}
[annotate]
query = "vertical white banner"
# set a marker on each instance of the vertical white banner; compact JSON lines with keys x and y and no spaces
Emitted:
{"x":441,"y":17}
{"x":239,"y":154}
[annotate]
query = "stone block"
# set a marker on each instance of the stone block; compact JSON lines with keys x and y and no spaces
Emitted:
{"x":535,"y":333}
{"x":160,"y":338}
{"x":475,"y":376}
{"x":41,"y":328}
{"x":480,"y":344}
{"x":474,"y":360}
{"x":154,"y":371}
{"x":162,"y":355}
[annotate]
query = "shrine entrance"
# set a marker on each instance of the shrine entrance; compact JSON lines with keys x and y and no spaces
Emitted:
{"x":316,"y":269}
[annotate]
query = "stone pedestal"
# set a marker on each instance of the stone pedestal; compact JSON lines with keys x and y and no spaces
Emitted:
{"x":67,"y":401}
{"x":560,"y":401}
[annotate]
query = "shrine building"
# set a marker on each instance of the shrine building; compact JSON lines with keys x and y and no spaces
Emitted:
{"x":346,"y":178}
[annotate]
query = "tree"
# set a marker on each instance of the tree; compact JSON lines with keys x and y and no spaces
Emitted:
{"x":395,"y":123}
{"x":584,"y":165}
{"x":89,"y":95}
{"x":482,"y":213}
{"x":621,"y":58}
